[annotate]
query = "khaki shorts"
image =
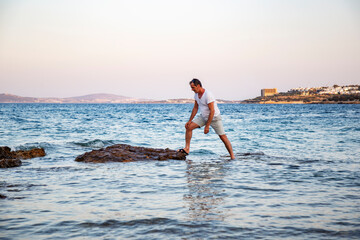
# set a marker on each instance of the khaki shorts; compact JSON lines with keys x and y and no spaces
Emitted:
{"x":216,"y":124}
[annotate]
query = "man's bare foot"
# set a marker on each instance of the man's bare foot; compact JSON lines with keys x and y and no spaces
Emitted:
{"x":183,"y":151}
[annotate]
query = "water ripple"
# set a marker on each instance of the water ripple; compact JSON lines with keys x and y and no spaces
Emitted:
{"x":295,"y":175}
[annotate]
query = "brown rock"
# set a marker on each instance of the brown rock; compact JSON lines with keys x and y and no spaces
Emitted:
{"x":5,"y":152}
{"x":127,"y":153}
{"x":33,"y":153}
{"x":8,"y":163}
{"x":10,"y":158}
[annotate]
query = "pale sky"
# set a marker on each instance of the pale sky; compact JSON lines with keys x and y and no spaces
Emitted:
{"x":153,"y":48}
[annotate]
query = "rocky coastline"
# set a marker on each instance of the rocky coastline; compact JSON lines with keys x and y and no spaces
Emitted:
{"x":290,"y":98}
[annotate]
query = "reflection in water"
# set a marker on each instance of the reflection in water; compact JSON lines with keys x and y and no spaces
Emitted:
{"x":206,"y":195}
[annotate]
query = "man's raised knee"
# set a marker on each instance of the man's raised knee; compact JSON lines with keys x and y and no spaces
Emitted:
{"x":192,"y":126}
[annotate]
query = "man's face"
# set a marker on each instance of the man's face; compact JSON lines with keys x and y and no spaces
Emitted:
{"x":194,"y":88}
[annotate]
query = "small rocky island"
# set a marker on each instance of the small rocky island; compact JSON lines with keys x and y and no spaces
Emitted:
{"x":10,"y":158}
{"x":128,"y":153}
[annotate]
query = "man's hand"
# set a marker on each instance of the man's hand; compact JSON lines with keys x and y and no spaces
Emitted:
{"x":206,"y":129}
{"x":211,"y":116}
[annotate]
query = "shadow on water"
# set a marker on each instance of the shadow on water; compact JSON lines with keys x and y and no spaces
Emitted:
{"x":206,"y":196}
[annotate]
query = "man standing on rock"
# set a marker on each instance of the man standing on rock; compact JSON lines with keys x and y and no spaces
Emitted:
{"x":210,"y":116}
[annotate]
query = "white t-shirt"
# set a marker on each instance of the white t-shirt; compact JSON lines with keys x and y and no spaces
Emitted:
{"x":203,"y":102}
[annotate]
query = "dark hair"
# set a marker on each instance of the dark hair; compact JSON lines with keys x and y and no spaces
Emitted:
{"x":195,"y":82}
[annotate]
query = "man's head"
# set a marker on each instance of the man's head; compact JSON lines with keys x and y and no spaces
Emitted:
{"x":195,"y":82}
{"x":195,"y":85}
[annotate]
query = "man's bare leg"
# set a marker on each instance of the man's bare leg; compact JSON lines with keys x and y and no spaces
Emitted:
{"x":228,"y":146}
{"x":188,"y":135}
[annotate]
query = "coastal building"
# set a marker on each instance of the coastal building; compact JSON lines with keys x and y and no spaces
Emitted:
{"x":352,"y":89}
{"x":268,"y":92}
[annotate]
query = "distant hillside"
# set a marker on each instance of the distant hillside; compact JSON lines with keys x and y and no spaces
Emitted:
{"x":92,"y":98}
{"x":100,"y":98}
{"x":9,"y":98}
{"x":95,"y":98}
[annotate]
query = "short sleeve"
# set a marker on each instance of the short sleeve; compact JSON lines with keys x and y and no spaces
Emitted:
{"x":210,"y":98}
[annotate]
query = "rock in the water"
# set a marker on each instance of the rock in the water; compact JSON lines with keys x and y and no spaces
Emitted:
{"x":8,"y":163}
{"x":10,"y":158}
{"x":33,"y":153}
{"x":5,"y":152}
{"x":127,"y":153}
{"x":2,"y":196}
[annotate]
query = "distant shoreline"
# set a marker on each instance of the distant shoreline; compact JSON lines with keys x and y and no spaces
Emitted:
{"x":164,"y":102}
{"x":99,"y":98}
{"x":300,"y":102}
{"x":281,"y":98}
{"x":294,"y":98}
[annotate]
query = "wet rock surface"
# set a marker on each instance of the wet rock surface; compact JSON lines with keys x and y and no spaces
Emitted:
{"x":8,"y":163}
{"x":33,"y":153}
{"x":127,"y":153}
{"x":10,"y":158}
{"x":5,"y":152}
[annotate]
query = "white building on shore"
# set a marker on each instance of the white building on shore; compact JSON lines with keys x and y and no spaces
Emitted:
{"x":352,"y":89}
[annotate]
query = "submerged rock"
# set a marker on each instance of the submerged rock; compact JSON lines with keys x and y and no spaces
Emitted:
{"x":10,"y":158}
{"x":8,"y":163}
{"x":127,"y":153}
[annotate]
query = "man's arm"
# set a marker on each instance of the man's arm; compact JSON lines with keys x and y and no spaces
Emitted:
{"x":211,"y":116}
{"x":193,"y":114}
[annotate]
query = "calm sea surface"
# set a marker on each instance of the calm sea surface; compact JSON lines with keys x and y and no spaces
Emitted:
{"x":296,"y":175}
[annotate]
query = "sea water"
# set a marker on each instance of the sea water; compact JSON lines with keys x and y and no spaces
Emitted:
{"x":296,"y":173}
